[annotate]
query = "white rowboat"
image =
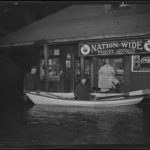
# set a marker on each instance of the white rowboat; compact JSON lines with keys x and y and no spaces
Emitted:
{"x":44,"y":99}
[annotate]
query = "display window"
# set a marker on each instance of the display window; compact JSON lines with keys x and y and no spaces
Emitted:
{"x":53,"y":69}
{"x":108,"y":70}
{"x":87,"y":69}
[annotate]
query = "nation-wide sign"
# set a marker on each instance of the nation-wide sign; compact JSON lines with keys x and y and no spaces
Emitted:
{"x":115,"y":47}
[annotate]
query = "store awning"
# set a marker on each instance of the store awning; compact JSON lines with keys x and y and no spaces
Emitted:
{"x":81,"y":22}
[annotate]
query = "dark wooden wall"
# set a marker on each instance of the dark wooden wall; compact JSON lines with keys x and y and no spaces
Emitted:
{"x":67,"y":80}
{"x":14,"y":63}
{"x":134,"y":80}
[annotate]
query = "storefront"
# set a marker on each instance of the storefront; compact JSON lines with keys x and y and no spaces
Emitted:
{"x":130,"y":59}
{"x":76,"y":41}
{"x":66,"y":63}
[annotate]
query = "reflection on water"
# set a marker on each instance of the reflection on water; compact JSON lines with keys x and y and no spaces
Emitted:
{"x":45,"y":125}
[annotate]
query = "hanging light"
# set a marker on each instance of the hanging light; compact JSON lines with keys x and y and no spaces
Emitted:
{"x":15,"y":3}
{"x":68,"y":56}
{"x":123,"y":4}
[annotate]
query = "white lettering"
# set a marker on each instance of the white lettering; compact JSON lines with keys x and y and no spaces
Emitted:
{"x":134,"y":44}
{"x":93,"y":48}
{"x":124,"y":44}
{"x":103,"y":45}
{"x":129,"y":44}
{"x":99,"y":47}
{"x":139,"y":45}
{"x":145,"y":60}
{"x":115,"y":45}
{"x":110,"y":45}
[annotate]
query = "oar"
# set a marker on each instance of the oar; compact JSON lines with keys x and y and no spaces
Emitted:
{"x":40,"y":93}
{"x":57,"y":97}
{"x":118,"y":98}
{"x":129,"y":94}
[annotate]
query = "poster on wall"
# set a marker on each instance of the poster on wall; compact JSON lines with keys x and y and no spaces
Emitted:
{"x":140,"y":63}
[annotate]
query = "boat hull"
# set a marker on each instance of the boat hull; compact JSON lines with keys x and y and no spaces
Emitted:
{"x":42,"y":100}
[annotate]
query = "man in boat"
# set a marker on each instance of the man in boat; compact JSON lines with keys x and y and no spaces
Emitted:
{"x":105,"y":75}
{"x":82,"y":91}
{"x":31,"y":82}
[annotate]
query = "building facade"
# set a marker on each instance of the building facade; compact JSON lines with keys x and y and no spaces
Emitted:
{"x":66,"y":63}
{"x":76,"y":41}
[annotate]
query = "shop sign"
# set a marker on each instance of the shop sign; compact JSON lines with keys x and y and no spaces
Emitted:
{"x":141,"y":63}
{"x":115,"y":47}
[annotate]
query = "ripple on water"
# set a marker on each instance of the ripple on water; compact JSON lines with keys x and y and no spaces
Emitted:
{"x":45,"y":125}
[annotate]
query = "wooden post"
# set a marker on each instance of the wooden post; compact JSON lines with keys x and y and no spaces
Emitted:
{"x":92,"y":74}
{"x":73,"y":72}
{"x":46,"y":65}
{"x":82,"y":66}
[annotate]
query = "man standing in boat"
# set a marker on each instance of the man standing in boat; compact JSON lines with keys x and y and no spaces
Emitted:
{"x":82,"y":91}
{"x":31,"y":82}
{"x":105,"y":73}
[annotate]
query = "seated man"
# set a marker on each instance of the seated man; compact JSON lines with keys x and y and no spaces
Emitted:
{"x":81,"y":91}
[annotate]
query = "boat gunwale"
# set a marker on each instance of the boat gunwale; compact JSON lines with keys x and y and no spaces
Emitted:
{"x":123,"y":98}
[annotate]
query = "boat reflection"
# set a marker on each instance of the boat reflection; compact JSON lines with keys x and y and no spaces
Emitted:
{"x":71,"y":126}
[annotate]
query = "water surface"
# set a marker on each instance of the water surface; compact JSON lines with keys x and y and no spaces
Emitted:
{"x":46,"y":125}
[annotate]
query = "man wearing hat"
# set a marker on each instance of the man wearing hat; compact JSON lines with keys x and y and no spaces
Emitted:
{"x":81,"y":91}
{"x":31,"y":80}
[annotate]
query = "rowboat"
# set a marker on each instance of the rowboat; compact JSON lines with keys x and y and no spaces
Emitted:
{"x":45,"y":98}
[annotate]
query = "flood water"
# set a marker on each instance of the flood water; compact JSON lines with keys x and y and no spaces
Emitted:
{"x":41,"y":126}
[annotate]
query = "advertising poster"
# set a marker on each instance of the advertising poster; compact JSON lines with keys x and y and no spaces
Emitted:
{"x":140,"y":63}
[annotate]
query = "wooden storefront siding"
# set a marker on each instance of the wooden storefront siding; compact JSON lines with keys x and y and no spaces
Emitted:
{"x":126,"y":85}
{"x":141,"y":80}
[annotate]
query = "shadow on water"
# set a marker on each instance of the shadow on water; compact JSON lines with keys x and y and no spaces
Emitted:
{"x":45,"y":126}
{"x":12,"y":122}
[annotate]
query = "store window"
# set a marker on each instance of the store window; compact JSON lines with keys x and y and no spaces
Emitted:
{"x":53,"y":65}
{"x":77,"y":70}
{"x":104,"y":81}
{"x":54,"y":69}
{"x":55,"y":76}
{"x":87,"y":65}
{"x":118,"y":65}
